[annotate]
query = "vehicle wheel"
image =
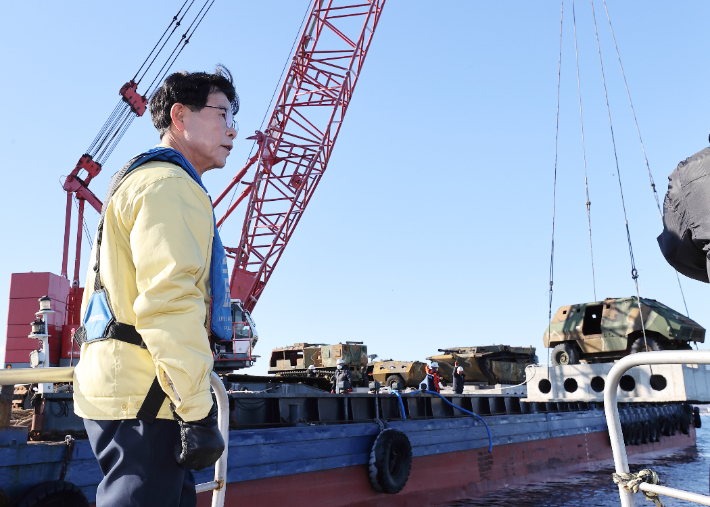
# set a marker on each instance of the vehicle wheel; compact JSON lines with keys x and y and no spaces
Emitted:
{"x":564,"y":354}
{"x":392,"y":379}
{"x":390,"y":461}
{"x":649,"y":345}
{"x":52,"y":494}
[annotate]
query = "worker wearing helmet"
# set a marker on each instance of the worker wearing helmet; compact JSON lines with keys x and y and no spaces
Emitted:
{"x":433,"y":381}
{"x":151,"y":304}
{"x":311,"y":373}
{"x":459,"y":378}
{"x":342,"y":374}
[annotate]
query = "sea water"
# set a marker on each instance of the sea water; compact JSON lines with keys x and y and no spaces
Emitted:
{"x":685,"y":469}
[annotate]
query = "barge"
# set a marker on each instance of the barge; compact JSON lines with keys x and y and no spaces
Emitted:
{"x":291,"y":441}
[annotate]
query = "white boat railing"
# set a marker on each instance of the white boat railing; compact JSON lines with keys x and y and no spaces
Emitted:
{"x":611,"y":410}
{"x":66,"y":374}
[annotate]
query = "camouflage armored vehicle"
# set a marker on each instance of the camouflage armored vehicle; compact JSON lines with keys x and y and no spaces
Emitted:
{"x":294,"y":361}
{"x":610,"y":329}
{"x":492,"y":364}
{"x":387,"y":372}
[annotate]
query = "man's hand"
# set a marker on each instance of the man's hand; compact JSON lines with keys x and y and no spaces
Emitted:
{"x":201,"y":443}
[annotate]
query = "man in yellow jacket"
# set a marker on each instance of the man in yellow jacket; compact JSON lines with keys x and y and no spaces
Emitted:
{"x":156,"y":270}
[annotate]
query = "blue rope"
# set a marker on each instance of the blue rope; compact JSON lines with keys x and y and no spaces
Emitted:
{"x":490,"y":440}
{"x":401,"y":405}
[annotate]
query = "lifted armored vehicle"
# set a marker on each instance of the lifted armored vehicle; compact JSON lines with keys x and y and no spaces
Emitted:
{"x":610,"y":329}
{"x":406,"y":373}
{"x":294,"y":361}
{"x":492,"y":364}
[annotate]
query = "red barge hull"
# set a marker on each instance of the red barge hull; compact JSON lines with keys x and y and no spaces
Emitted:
{"x":439,"y":479}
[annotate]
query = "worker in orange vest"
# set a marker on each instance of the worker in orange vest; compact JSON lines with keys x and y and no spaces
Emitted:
{"x":433,"y":381}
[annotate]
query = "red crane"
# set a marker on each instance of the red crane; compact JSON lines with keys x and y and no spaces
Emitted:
{"x":297,"y":143}
{"x":292,"y":155}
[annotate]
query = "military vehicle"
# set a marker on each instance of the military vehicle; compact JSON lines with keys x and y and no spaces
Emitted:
{"x":406,"y":373}
{"x":491,"y":364}
{"x":294,"y":361}
{"x":610,"y":329}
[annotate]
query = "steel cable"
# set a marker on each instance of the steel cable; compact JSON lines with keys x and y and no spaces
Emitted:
{"x":273,"y":95}
{"x":161,"y":38}
{"x":634,"y":271}
{"x":584,"y":154}
{"x":184,"y":40}
{"x":643,"y":148}
{"x":554,"y":184}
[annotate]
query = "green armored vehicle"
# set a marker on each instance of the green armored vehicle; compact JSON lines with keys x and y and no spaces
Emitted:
{"x":492,"y":364}
{"x":406,"y":373}
{"x":610,"y":329}
{"x":294,"y":361}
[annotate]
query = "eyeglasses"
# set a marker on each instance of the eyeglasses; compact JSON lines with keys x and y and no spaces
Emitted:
{"x":228,"y":117}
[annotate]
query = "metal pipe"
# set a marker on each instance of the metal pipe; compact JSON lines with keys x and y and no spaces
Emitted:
{"x":611,"y":409}
{"x":219,"y":485}
{"x":36,"y":375}
{"x":79,"y":229}
{"x":675,"y":493}
{"x":220,"y":468}
{"x":67,"y":230}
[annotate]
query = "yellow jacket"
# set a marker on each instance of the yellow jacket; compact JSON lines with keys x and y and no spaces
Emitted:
{"x":155,"y":265}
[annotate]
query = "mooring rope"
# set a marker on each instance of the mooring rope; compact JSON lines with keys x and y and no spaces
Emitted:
{"x":631,"y":482}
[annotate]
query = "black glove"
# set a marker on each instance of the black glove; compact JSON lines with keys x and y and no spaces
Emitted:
{"x":201,"y":443}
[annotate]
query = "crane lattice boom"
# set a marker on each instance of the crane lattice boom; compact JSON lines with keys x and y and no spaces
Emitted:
{"x":295,"y":147}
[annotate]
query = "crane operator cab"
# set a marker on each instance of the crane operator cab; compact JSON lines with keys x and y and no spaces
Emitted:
{"x":237,"y":353}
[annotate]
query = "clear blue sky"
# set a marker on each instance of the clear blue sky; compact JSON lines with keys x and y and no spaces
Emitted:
{"x":431,"y":227}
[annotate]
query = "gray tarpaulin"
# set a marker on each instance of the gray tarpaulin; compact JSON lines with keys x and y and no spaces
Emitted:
{"x":685,"y":240}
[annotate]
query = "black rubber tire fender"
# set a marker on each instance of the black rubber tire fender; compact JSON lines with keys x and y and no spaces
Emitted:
{"x":650,"y":344}
{"x":697,"y":422}
{"x":564,"y":348}
{"x":655,"y":431}
{"x":645,"y":433}
{"x":637,"y":430}
{"x":52,"y":494}
{"x":390,"y":461}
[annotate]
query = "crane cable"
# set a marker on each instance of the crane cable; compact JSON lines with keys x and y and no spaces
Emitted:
{"x":584,"y":154}
{"x":174,"y":21}
{"x":123,"y":114}
{"x":554,"y":186}
{"x":634,"y":272}
{"x":289,"y":58}
{"x":638,"y":130}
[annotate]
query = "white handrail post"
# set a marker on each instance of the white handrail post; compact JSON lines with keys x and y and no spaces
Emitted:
{"x":611,"y":410}
{"x":220,"y":468}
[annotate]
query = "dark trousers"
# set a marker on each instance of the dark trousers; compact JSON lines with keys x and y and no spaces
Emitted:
{"x":138,"y":462}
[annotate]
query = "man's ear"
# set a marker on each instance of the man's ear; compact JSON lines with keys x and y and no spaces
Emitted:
{"x":177,"y":115}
